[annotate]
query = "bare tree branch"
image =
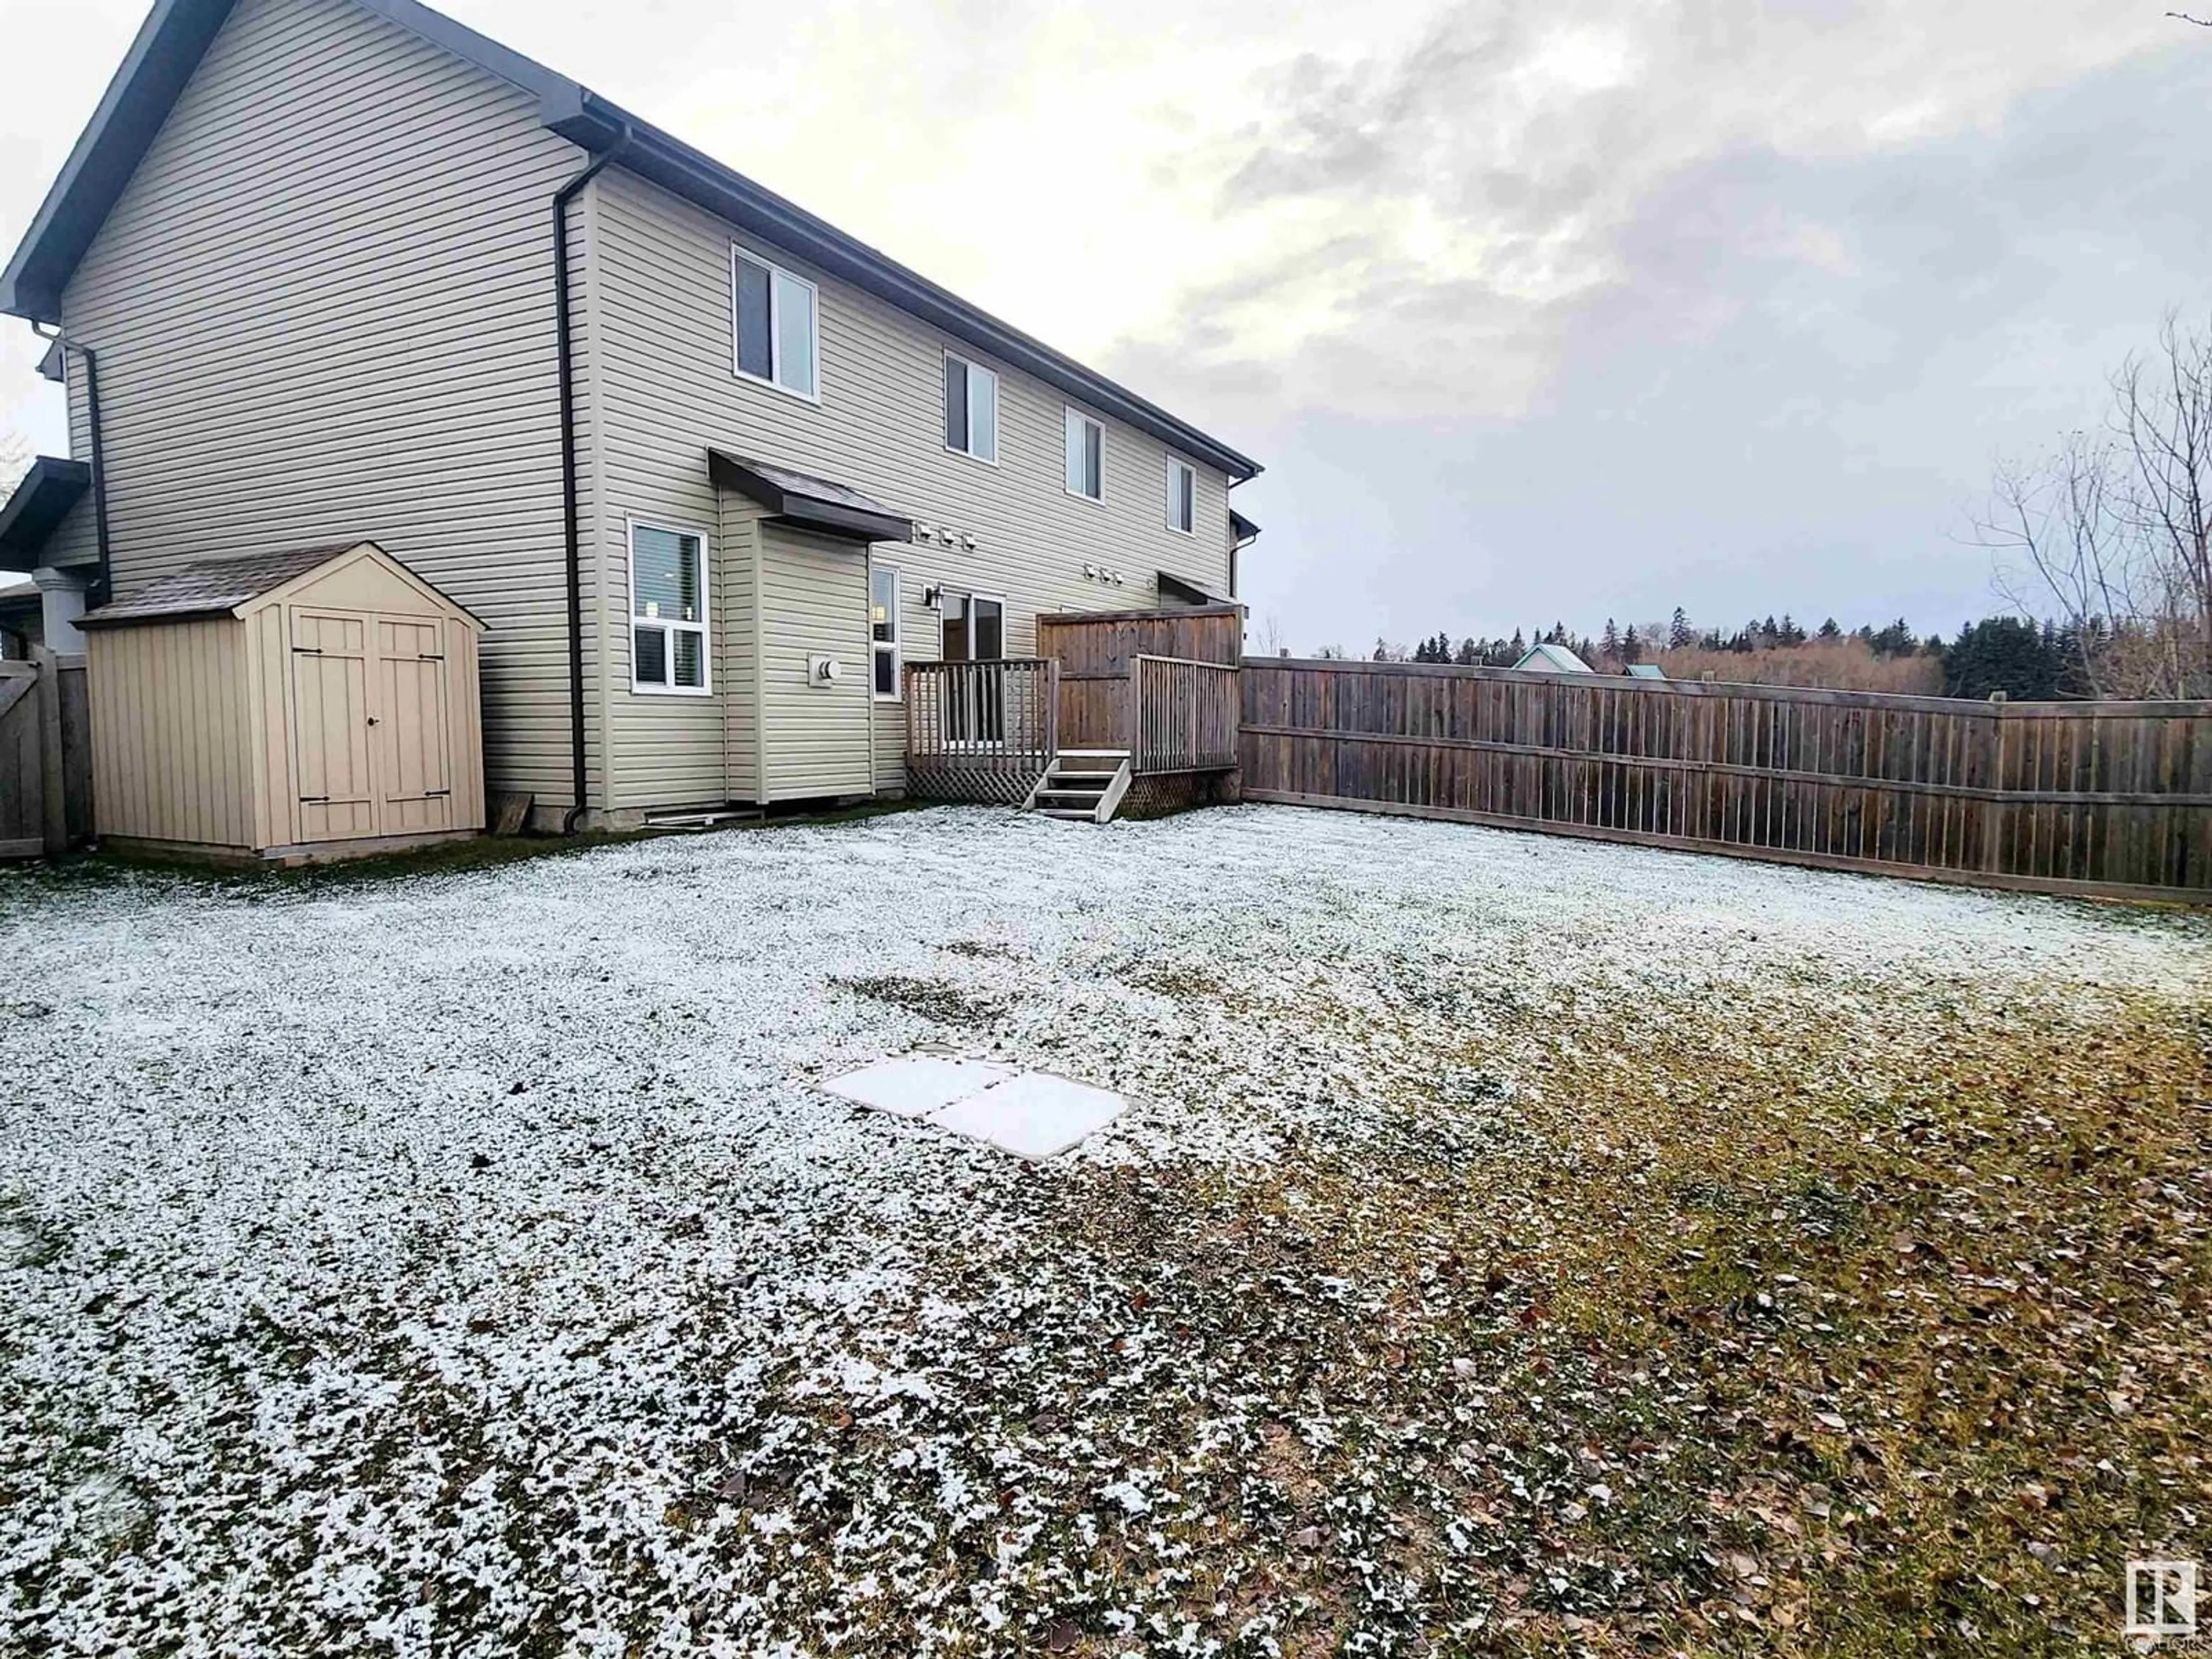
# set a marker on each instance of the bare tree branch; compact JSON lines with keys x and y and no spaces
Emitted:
{"x":2201,"y":22}
{"x":2116,"y":528}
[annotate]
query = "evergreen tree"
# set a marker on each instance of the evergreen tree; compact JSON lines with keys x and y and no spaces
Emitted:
{"x":1631,"y":647}
{"x":2003,"y":654}
{"x":1611,"y":646}
{"x":1830,"y":633}
{"x":1678,"y":635}
{"x":1517,"y":647}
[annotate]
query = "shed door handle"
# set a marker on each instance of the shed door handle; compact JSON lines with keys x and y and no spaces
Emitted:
{"x":372,"y":719}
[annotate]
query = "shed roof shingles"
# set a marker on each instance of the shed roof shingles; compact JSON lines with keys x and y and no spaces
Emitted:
{"x":215,"y":586}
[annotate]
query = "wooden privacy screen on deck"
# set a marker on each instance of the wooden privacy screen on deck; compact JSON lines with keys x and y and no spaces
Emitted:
{"x":1095,"y":650}
{"x":2111,"y":799}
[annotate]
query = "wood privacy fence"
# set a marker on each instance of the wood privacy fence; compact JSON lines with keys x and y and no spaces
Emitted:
{"x":2108,"y":799}
{"x":45,"y":757}
{"x":1186,"y":715}
{"x":1096,"y":649}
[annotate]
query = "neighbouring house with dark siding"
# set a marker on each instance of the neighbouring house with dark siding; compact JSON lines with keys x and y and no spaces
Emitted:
{"x":714,"y":473}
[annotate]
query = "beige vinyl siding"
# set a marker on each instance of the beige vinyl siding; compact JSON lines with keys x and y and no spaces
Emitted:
{"x":737,"y":684}
{"x":323,"y":311}
{"x":171,"y":745}
{"x":813,"y":603}
{"x":921,"y":639}
{"x":670,"y":392}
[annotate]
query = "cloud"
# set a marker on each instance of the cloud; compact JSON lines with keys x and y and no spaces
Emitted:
{"x":1427,"y":234}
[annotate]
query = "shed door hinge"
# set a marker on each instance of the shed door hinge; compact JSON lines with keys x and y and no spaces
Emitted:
{"x":307,"y":651}
{"x":437,"y":795}
{"x":314,"y":800}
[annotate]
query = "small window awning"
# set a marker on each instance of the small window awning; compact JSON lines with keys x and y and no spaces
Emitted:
{"x":49,"y":489}
{"x":816,"y":504}
{"x":1186,"y":592}
{"x":1242,"y":529}
{"x":54,"y":366}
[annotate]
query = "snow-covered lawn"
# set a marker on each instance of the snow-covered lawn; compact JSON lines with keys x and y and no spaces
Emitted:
{"x":1513,"y":1240}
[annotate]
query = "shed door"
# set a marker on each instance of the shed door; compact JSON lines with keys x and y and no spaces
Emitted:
{"x":414,"y":756}
{"x":330,"y":731}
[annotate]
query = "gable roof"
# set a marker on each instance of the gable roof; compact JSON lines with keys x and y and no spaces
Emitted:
{"x":1548,"y":659}
{"x":216,"y":587}
{"x":177,"y":32}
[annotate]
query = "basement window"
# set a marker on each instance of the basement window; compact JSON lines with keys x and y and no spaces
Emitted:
{"x":668,"y":612}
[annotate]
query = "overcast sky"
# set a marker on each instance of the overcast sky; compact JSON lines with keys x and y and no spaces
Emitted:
{"x":1569,"y":308}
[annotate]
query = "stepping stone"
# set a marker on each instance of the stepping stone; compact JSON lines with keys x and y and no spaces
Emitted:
{"x":1033,"y":1115}
{"x":916,"y":1086}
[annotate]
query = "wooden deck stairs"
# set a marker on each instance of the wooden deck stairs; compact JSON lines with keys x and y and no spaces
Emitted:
{"x":1082,"y":785}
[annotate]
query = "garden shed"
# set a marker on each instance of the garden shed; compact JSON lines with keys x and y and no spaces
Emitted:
{"x":286,"y":707}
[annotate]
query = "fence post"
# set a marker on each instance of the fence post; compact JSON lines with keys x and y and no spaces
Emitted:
{"x":52,"y":782}
{"x":1051,"y":710}
{"x":1993,"y":821}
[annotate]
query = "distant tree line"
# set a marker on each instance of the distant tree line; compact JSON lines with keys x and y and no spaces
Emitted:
{"x":2027,"y":660}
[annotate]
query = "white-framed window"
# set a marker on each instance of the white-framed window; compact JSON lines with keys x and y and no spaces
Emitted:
{"x":884,"y":631}
{"x":668,"y":612}
{"x":776,"y":320}
{"x":971,"y":408}
{"x":1086,"y":456}
{"x":1182,"y":496}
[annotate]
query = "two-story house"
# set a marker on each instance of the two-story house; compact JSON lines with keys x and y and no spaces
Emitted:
{"x":324,"y":271}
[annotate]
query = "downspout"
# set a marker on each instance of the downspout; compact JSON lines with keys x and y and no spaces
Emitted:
{"x":571,"y":511}
{"x":103,"y":583}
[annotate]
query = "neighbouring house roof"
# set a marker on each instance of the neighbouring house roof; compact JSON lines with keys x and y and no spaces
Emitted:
{"x":1173,"y":587}
{"x":1548,"y":659}
{"x":812,"y":503}
{"x":177,"y":34}
{"x":1646,"y":670}
{"x":47,"y":492}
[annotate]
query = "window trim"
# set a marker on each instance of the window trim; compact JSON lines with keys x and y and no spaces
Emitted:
{"x":997,"y":386}
{"x":1175,"y":462}
{"x":972,"y":594}
{"x":1074,"y":414}
{"x":739,"y":250}
{"x":703,"y":627}
{"x":897,"y":645}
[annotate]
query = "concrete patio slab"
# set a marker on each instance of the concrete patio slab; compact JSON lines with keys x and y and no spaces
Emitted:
{"x":1033,"y":1115}
{"x":914,"y":1085}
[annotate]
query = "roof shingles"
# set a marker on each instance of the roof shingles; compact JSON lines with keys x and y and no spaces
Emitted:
{"x":215,"y":586}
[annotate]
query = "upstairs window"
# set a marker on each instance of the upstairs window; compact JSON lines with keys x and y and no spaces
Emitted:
{"x":884,"y":629}
{"x":775,"y":314}
{"x":1182,"y":498}
{"x":1086,"y":457}
{"x":668,"y":610}
{"x":971,"y":408}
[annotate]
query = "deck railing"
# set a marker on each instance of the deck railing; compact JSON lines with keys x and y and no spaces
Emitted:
{"x":980,"y":731}
{"x":1183,"y":715}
